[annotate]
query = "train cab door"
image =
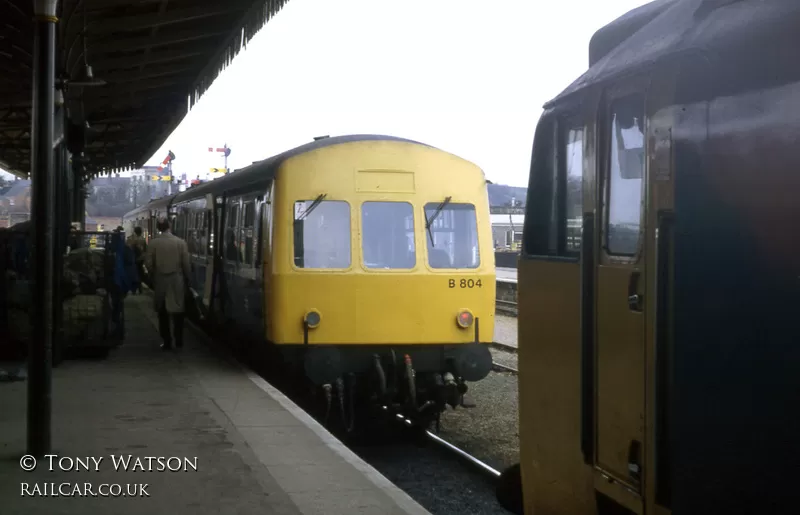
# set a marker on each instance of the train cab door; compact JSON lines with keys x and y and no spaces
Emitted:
{"x":264,"y":256}
{"x":620,"y":288}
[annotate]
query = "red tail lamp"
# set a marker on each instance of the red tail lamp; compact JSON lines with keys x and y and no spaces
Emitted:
{"x":464,"y":319}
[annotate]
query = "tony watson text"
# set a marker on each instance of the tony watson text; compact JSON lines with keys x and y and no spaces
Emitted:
{"x":131,"y":463}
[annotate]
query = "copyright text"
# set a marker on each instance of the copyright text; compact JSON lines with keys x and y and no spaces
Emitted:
{"x":119,"y":463}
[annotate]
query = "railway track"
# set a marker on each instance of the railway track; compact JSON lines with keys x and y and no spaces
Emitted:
{"x":506,"y":307}
{"x":504,"y":368}
{"x":482,"y":467}
{"x":505,"y":347}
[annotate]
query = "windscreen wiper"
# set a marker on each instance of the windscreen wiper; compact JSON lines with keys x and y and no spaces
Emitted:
{"x":313,"y":206}
{"x":429,"y":221}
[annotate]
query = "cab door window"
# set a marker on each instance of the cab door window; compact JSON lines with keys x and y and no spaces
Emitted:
{"x":626,"y":172}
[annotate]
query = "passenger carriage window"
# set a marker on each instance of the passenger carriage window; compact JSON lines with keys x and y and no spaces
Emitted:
{"x":387,"y":235}
{"x":625,"y":174}
{"x":189,"y":230}
{"x":201,"y":234}
{"x":321,"y":234}
{"x":246,"y":238}
{"x":554,"y":208}
{"x":181,"y":223}
{"x":231,"y":248}
{"x":264,"y":238}
{"x":195,"y":233}
{"x":452,"y":235}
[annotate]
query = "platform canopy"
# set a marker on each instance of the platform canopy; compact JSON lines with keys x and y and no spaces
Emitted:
{"x":156,"y":57}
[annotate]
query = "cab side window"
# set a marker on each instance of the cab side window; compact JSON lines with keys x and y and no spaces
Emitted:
{"x":554,"y":208}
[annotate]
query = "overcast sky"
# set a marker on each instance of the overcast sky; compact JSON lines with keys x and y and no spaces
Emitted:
{"x":467,"y":76}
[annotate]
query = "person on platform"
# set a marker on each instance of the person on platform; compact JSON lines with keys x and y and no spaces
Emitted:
{"x":124,"y":279}
{"x":167,"y":260}
{"x":137,"y":242}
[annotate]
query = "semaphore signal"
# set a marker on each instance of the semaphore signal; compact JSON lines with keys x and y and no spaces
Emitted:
{"x":224,"y":150}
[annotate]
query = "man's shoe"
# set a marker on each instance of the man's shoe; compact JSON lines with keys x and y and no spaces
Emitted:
{"x":166,"y":346}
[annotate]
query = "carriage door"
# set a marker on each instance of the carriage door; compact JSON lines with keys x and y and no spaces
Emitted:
{"x":620,"y":293}
{"x":208,"y":230}
{"x":215,"y":254}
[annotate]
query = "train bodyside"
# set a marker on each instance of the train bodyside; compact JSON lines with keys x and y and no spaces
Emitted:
{"x":658,"y":348}
{"x":225,"y":224}
{"x":146,"y":217}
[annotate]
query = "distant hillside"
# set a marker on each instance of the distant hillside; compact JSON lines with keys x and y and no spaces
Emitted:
{"x":501,"y":195}
{"x":113,"y":197}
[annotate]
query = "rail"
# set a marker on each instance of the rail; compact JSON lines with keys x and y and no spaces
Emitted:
{"x":504,"y":368}
{"x":506,"y":306}
{"x":472,"y":460}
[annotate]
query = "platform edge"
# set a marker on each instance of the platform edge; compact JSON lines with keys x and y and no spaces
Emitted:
{"x":403,"y":500}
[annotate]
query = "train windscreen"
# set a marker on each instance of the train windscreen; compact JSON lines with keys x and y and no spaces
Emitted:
{"x":452,"y":236}
{"x":322,"y":234}
{"x":387,"y":235}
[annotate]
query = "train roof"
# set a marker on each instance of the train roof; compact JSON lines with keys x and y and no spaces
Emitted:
{"x":264,"y":170}
{"x":666,"y":28}
{"x":155,"y":203}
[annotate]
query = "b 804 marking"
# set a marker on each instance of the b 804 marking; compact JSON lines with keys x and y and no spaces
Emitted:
{"x":464,"y":283}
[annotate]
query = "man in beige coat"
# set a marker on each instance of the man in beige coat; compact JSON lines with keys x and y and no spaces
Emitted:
{"x":167,"y":260}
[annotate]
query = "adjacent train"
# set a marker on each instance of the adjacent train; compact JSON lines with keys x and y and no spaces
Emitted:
{"x":367,"y":261}
{"x":659,"y":343}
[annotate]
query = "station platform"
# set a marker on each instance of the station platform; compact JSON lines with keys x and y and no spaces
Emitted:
{"x":240,"y":446}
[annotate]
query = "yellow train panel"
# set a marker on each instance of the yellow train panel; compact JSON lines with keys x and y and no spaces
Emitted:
{"x":388,"y":309}
{"x":362,"y":305}
{"x":555,"y":479}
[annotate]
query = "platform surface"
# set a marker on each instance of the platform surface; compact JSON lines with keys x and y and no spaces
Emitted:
{"x":505,"y":330}
{"x":254,"y":451}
